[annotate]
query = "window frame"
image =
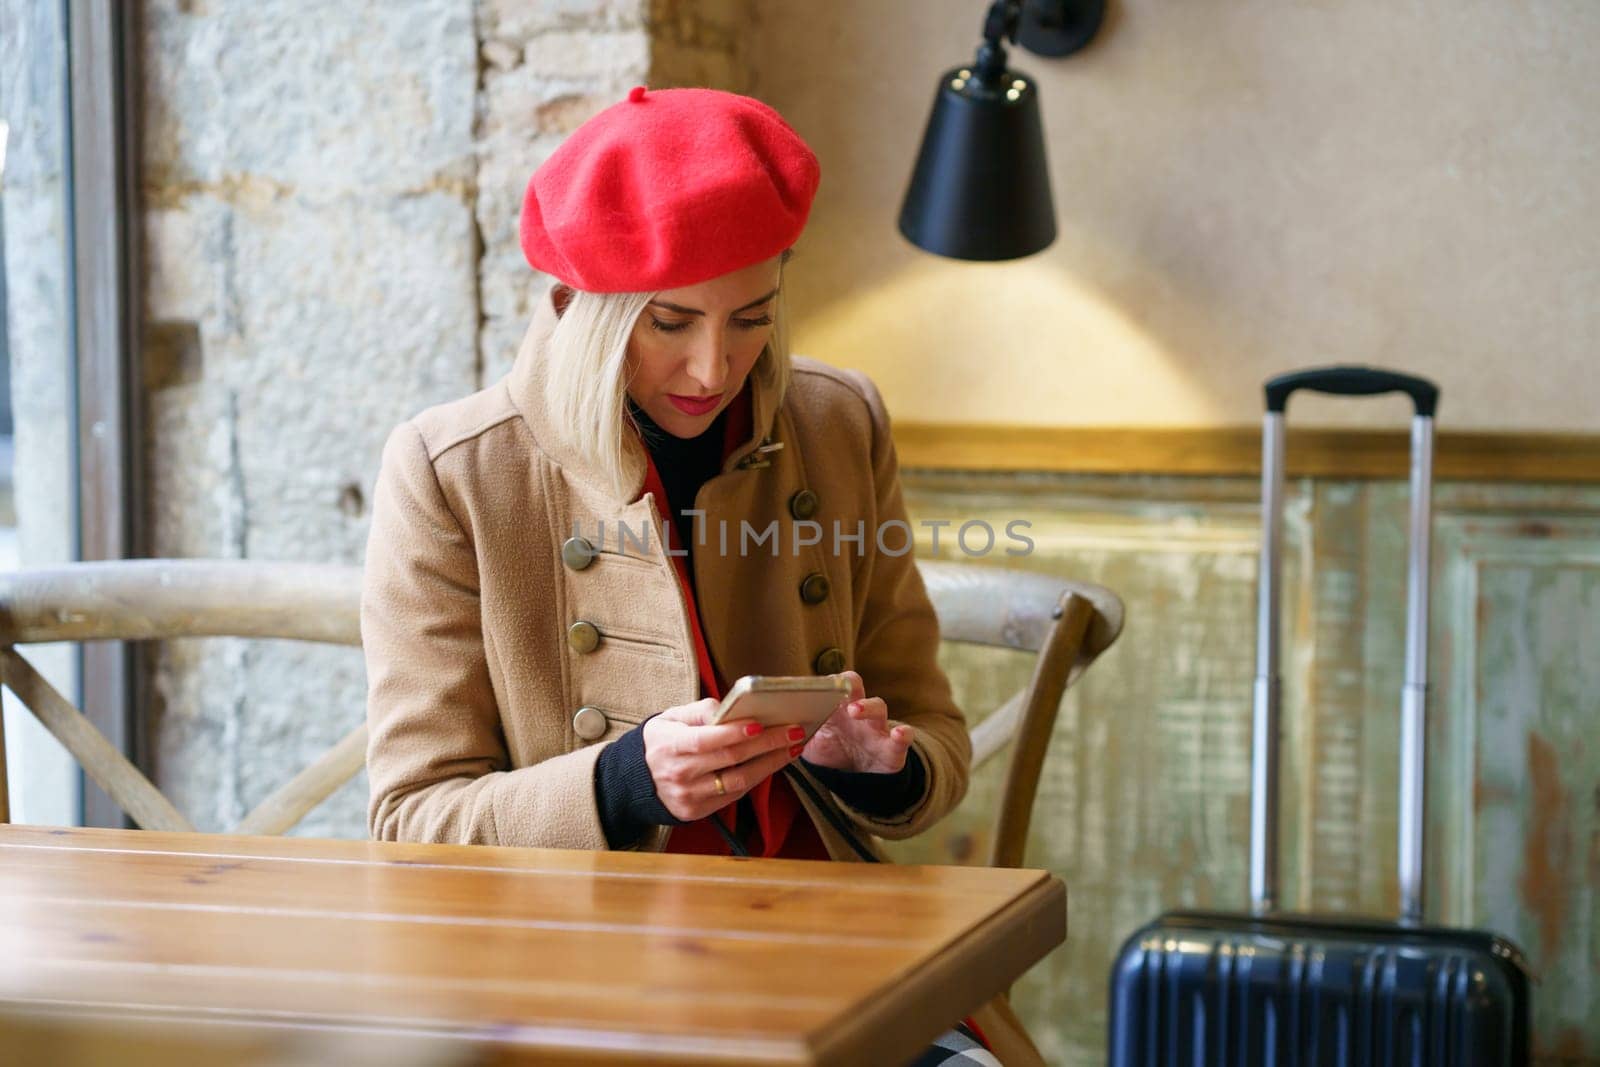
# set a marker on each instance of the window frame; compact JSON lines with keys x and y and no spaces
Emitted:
{"x":104,"y":279}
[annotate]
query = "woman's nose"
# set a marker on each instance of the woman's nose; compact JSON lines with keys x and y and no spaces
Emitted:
{"x":708,"y":364}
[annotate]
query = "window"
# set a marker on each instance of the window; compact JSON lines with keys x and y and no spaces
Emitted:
{"x":38,"y":484}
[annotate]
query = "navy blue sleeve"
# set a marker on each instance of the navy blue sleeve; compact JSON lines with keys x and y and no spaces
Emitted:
{"x":625,"y":792}
{"x":881,"y":796}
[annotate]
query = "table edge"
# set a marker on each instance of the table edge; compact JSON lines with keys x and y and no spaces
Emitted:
{"x":1033,"y":925}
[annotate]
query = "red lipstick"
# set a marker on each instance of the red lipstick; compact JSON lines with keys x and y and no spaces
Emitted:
{"x":695,"y":405}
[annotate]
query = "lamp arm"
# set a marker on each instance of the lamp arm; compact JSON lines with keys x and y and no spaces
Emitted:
{"x":998,"y":24}
{"x":1001,"y":21}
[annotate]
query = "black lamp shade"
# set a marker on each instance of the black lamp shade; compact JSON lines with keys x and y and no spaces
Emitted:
{"x":981,"y":187}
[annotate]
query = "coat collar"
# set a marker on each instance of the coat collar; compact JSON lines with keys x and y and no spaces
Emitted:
{"x":526,"y":383}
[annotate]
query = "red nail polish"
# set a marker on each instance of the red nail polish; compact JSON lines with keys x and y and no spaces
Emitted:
{"x":752,"y":729}
{"x":797,"y":733}
{"x":795,"y":750}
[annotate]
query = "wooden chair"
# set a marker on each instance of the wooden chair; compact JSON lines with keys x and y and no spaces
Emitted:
{"x":1068,"y":624}
{"x":146,"y":600}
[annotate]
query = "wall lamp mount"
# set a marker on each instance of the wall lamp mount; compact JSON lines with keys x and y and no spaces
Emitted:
{"x":1052,"y":28}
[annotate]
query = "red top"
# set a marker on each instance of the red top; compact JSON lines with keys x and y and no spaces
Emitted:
{"x":781,"y":823}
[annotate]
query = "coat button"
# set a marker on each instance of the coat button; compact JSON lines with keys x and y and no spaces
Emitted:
{"x":589,"y":723}
{"x":577,"y":553}
{"x":814,"y":590}
{"x":583,"y":637}
{"x":803,"y":504}
{"x":829,"y":661}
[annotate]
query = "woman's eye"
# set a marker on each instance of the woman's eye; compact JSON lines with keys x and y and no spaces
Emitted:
{"x":743,"y":324}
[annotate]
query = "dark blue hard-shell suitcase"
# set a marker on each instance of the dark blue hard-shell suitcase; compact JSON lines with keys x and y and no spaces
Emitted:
{"x":1271,"y":989}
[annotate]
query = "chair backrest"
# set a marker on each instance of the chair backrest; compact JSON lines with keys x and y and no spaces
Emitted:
{"x":1067,"y":623}
{"x":154,"y":599}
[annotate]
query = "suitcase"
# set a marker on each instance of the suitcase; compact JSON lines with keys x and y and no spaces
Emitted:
{"x":1269,"y":988}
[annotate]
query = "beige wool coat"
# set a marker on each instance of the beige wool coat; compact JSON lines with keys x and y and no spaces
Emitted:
{"x":502,"y":656}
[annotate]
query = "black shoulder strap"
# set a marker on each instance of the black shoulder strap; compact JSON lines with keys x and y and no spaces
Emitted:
{"x":839,"y":825}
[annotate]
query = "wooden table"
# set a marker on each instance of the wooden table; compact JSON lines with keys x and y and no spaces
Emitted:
{"x":501,"y":955}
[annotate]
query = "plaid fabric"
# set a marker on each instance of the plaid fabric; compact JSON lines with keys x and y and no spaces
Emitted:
{"x":956,"y":1048}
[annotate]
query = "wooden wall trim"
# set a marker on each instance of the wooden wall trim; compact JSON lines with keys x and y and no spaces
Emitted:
{"x":1491,"y":457}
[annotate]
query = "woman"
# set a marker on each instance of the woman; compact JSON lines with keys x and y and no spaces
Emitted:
{"x":566,"y":570}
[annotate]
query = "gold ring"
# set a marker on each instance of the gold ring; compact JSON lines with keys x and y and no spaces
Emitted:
{"x":722,"y":790}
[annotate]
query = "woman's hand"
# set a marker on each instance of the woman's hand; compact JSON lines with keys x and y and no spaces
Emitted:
{"x":859,"y":735}
{"x":686,"y":757}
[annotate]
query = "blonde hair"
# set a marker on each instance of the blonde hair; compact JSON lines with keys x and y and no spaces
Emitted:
{"x":587,"y":357}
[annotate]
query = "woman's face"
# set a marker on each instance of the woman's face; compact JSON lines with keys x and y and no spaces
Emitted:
{"x":692,"y":348}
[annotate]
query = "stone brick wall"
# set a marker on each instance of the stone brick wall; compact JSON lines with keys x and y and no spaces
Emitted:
{"x":330,"y":199}
{"x":545,"y":68}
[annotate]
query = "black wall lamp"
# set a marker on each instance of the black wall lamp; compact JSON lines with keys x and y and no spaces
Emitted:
{"x":981,"y":187}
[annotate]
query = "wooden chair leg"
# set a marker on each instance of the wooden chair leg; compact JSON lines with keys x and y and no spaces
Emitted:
{"x":1007,"y":1036}
{"x":1028,"y":750}
{"x":295,"y":799}
{"x":108,"y":768}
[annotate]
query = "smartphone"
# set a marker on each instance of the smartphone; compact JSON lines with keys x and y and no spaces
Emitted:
{"x":782,"y":700}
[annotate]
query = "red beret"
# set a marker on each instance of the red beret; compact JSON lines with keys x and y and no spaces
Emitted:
{"x":668,"y":188}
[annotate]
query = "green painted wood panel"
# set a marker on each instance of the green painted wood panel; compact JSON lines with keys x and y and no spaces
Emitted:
{"x":1144,"y":802}
{"x":1519,"y":749}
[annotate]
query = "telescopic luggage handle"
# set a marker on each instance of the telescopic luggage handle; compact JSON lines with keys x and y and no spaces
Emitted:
{"x":1350,"y":381}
